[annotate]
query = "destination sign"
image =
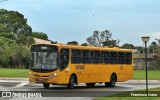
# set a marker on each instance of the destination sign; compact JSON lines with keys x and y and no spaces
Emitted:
{"x":44,"y":48}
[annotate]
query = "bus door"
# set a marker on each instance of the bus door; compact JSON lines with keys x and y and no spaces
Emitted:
{"x":64,"y":62}
{"x":77,"y":67}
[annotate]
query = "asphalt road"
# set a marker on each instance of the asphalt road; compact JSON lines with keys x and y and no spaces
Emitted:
{"x":81,"y":92}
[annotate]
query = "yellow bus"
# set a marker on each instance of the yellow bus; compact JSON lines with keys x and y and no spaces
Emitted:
{"x":73,"y":64}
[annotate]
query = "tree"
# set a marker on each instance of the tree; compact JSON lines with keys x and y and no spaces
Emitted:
{"x":15,"y":39}
{"x":101,"y":38}
{"x":13,"y":25}
{"x":84,"y":44}
{"x":156,"y":60}
{"x":22,"y":40}
{"x":39,"y":35}
{"x":140,"y":49}
{"x":13,"y":55}
{"x":6,"y":51}
{"x":8,"y":35}
{"x":110,"y":43}
{"x":128,"y":46}
{"x":153,"y":46}
{"x":73,"y":42}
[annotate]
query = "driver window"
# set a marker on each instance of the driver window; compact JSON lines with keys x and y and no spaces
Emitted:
{"x":32,"y":58}
{"x":64,"y":58}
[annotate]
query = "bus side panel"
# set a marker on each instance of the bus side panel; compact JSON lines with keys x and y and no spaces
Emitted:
{"x":125,"y":72}
{"x":79,"y":70}
{"x":129,"y":72}
{"x":104,"y":73}
{"x":122,"y":71}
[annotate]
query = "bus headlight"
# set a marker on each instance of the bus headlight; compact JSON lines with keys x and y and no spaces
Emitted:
{"x":53,"y":75}
{"x":67,"y":69}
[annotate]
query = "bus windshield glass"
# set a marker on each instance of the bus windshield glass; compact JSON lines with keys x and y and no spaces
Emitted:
{"x":44,"y":59}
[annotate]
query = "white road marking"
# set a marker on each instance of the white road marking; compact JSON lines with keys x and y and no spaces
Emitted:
{"x":20,"y":85}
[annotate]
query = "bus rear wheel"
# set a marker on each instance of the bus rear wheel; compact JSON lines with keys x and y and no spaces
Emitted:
{"x":46,"y":85}
{"x":112,"y":82}
{"x":71,"y":82}
{"x":90,"y":84}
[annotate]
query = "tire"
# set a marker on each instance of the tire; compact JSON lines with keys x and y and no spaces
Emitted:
{"x":90,"y":84}
{"x":71,"y":82}
{"x":112,"y":82}
{"x":46,"y":85}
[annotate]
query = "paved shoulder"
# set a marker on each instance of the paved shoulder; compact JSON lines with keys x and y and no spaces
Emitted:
{"x":13,"y":78}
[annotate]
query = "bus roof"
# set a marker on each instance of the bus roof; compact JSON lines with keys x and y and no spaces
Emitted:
{"x":88,"y":47}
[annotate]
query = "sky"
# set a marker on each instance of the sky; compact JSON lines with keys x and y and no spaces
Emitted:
{"x":75,"y":20}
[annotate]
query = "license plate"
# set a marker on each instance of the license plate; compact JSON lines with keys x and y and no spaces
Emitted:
{"x":40,"y":79}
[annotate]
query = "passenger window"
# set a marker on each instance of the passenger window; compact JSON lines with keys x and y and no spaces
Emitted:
{"x":96,"y":57}
{"x":64,"y":58}
{"x":104,"y":57}
{"x":76,"y":57}
{"x":128,"y":58}
{"x":120,"y":57}
{"x":113,"y":57}
{"x":86,"y":56}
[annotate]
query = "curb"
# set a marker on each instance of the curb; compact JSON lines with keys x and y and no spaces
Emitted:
{"x":141,"y":81}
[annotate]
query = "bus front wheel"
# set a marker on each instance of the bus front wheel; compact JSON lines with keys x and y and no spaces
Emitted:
{"x":71,"y":82}
{"x":112,"y":82}
{"x":46,"y":85}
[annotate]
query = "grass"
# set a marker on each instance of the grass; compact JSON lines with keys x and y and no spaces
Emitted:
{"x":141,"y":75}
{"x":18,"y":73}
{"x":122,"y":96}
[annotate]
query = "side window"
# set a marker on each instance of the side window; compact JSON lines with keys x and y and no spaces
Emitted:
{"x":64,"y":58}
{"x":86,"y":56}
{"x":76,"y":56}
{"x":113,"y":57}
{"x":128,"y":58}
{"x":96,"y":57}
{"x":104,"y":57}
{"x":120,"y":57}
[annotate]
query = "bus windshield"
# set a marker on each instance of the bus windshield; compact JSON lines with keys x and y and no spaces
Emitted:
{"x":44,"y":60}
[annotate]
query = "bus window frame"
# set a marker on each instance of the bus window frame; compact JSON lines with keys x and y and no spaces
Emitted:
{"x":88,"y":57}
{"x":77,"y":56}
{"x":104,"y":59}
{"x":112,"y":59}
{"x":120,"y":60}
{"x":128,"y":60}
{"x":97,"y":57}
